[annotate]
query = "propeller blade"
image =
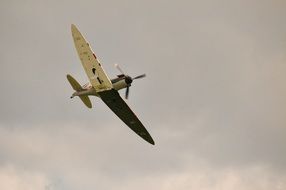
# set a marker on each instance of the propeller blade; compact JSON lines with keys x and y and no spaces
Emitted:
{"x":127,"y":92}
{"x":140,"y":76}
{"x":117,"y":67}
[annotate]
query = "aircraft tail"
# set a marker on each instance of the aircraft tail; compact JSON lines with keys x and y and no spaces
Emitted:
{"x":86,"y":101}
{"x":77,"y":87}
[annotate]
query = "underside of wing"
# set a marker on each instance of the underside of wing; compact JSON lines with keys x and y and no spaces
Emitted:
{"x":113,"y":100}
{"x":92,"y":66}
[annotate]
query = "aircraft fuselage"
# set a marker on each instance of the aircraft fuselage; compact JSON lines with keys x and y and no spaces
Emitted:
{"x":118,"y":84}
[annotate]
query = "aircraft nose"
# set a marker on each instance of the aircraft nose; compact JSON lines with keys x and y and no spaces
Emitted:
{"x":128,"y":80}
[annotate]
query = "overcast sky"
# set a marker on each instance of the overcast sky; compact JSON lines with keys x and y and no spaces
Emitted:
{"x":213,"y":99}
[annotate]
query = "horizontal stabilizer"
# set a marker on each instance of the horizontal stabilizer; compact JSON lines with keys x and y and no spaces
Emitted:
{"x":75,"y":85}
{"x":86,"y":101}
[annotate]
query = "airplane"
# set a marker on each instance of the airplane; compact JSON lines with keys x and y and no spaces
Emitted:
{"x":101,"y":86}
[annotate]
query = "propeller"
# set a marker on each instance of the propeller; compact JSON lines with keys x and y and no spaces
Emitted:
{"x":117,"y":67}
{"x":140,"y":76}
{"x":127,"y":92}
{"x":128,"y":79}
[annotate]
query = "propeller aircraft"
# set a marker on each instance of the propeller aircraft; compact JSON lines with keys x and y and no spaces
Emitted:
{"x":102,"y":86}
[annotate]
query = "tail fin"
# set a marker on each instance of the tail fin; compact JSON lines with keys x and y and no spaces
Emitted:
{"x":86,"y":101}
{"x":77,"y":87}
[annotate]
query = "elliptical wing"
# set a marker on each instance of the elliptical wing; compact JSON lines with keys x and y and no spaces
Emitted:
{"x":97,"y":77}
{"x":113,"y":100}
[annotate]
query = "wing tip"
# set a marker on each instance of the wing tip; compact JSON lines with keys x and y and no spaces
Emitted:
{"x":149,"y":139}
{"x":73,"y":26}
{"x":68,"y":76}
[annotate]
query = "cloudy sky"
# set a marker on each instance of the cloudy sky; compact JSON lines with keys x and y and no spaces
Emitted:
{"x":213,"y":99}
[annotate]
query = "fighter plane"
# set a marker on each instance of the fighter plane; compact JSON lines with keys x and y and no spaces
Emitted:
{"x":101,"y":86}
